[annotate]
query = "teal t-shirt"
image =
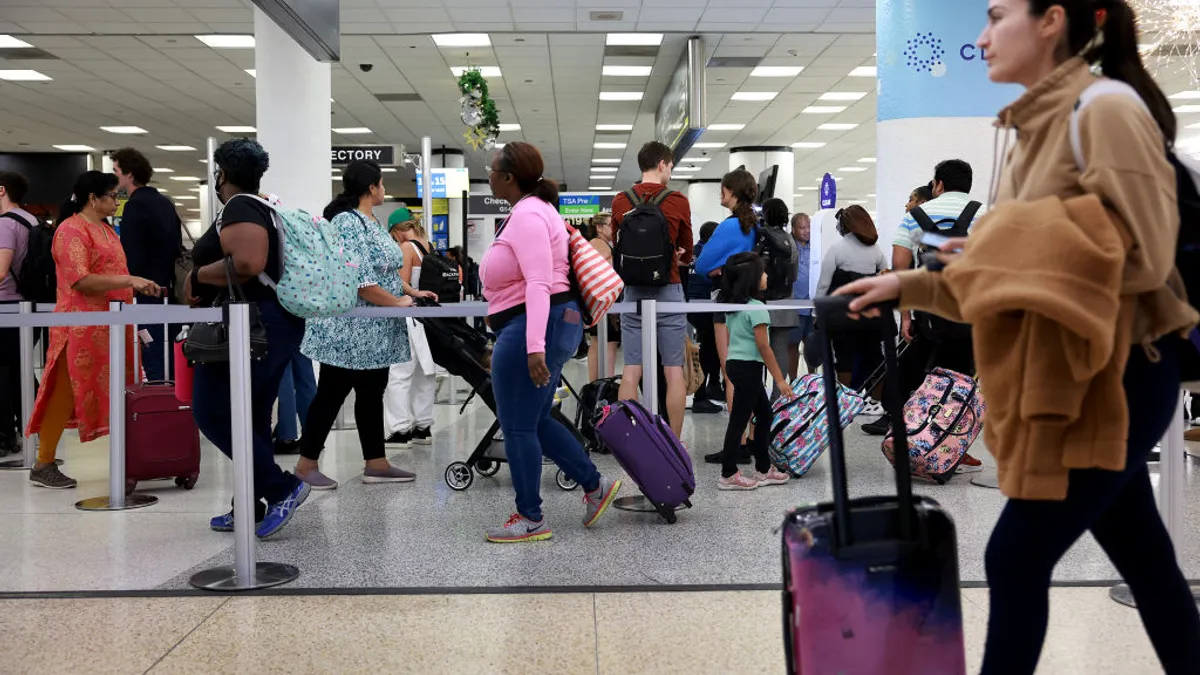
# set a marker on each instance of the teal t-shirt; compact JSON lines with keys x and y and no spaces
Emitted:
{"x":741,"y":332}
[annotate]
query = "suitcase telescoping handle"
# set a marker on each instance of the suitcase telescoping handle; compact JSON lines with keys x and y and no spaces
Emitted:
{"x":833,"y":316}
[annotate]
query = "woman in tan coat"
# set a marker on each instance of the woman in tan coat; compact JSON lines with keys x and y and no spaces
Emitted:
{"x":1083,"y":468}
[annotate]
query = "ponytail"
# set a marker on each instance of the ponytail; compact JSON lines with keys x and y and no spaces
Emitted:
{"x":1120,"y":59}
{"x":743,"y":187}
{"x":357,"y":180}
{"x":340,"y":204}
{"x":745,"y":215}
{"x":89,"y":183}
{"x":68,"y":209}
{"x":547,"y":191}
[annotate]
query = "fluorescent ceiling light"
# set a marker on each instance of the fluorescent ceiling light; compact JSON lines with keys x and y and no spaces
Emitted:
{"x":235,"y":129}
{"x":609,"y":146}
{"x":23,"y":76}
{"x":163,"y":170}
{"x":808,"y":145}
{"x":853,"y":169}
{"x":709,"y":146}
{"x":388,"y":169}
{"x":837,"y":127}
{"x":614,"y":127}
{"x":252,"y":72}
{"x":823,"y":109}
{"x":510,"y":127}
{"x":620,"y":96}
{"x":868,"y":160}
{"x":698,"y":159}
{"x":176,"y":148}
{"x":634,"y":39}
{"x":350,"y":131}
{"x":195,"y":189}
{"x":462,"y":40}
{"x":686,"y":169}
{"x":627,"y":71}
{"x":842,"y":95}
{"x":186,"y":198}
{"x":186,"y":179}
{"x":1186,"y":96}
{"x":606,"y":160}
{"x":776,"y":71}
{"x":600,"y":178}
{"x":193,"y":210}
{"x":864,"y":71}
{"x":227,"y":41}
{"x":10,"y":42}
{"x":1191,"y":108}
{"x":754,"y":95}
{"x":723,"y":127}
{"x":123,"y":130}
{"x":806,"y":189}
{"x":597,"y":187}
{"x":486,"y":71}
{"x":76,"y":148}
{"x":604,"y":169}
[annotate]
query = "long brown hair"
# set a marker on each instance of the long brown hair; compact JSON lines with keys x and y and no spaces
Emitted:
{"x":855,"y":220}
{"x":744,"y":188}
{"x":524,"y":162}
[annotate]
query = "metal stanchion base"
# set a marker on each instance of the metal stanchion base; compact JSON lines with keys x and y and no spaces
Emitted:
{"x":102,"y":503}
{"x":638,"y":504}
{"x":1122,"y":595}
{"x":987,"y":479}
{"x":266,"y":575}
{"x":19,"y":464}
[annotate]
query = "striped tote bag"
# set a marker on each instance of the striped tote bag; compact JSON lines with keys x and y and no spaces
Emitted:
{"x":594,"y":278}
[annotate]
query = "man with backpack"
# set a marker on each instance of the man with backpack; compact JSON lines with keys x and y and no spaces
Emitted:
{"x":15,"y":227}
{"x":652,"y":230}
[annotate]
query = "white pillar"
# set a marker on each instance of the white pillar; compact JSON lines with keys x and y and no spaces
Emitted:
{"x":452,"y":158}
{"x":704,"y":195}
{"x":757,"y":158}
{"x":292,"y":92}
{"x":106,"y":162}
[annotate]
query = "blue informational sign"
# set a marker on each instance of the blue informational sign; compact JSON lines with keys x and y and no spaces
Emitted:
{"x":928,"y":64}
{"x":828,"y":192}
{"x":447,"y":183}
{"x":441,"y":231}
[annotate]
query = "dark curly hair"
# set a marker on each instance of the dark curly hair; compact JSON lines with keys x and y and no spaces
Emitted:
{"x":775,"y":212}
{"x":741,"y":279}
{"x":243,"y":162}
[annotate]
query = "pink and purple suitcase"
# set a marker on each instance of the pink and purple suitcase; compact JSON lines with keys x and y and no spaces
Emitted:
{"x":870,"y":584}
{"x":943,"y":418}
{"x":649,"y":452}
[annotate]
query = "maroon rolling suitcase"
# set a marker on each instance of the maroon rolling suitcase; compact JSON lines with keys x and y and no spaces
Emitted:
{"x":161,"y":438}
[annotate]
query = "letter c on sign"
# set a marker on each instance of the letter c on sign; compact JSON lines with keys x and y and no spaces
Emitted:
{"x":967,"y":52}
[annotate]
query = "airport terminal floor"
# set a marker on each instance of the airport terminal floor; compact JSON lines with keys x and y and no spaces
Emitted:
{"x":397,"y":578}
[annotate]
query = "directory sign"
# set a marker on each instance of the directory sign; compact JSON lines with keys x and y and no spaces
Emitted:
{"x":447,"y":183}
{"x":383,"y":155}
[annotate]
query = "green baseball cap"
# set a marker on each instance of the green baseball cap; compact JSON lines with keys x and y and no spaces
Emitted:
{"x":400,"y":215}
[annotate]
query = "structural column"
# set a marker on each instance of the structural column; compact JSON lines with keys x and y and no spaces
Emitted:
{"x":758,"y":158}
{"x":452,"y":158}
{"x":292,"y":93}
{"x":935,"y":100}
{"x":704,"y":195}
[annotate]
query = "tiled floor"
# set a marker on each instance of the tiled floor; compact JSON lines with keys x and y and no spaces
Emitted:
{"x":426,"y":535}
{"x":562,"y":634}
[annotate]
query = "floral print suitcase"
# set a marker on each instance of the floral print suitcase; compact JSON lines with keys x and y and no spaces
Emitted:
{"x":943,"y":417}
{"x":800,"y":432}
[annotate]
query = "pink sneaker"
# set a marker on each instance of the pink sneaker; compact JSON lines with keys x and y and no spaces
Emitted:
{"x":737,"y":482}
{"x":772,"y":477}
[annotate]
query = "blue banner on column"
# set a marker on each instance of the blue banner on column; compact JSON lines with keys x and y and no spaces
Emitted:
{"x":929,"y":65}
{"x":440,"y":237}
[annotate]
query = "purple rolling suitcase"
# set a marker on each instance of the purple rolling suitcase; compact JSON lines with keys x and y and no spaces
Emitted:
{"x":650,"y":453}
{"x":870,"y":585}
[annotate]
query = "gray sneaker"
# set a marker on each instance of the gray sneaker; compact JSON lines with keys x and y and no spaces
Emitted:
{"x":318,"y":481}
{"x":598,"y":502}
{"x":49,"y":476}
{"x":393,"y":474}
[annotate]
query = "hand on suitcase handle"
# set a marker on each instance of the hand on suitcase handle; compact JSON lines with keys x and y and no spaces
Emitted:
{"x":837,"y":309}
{"x":868,"y":297}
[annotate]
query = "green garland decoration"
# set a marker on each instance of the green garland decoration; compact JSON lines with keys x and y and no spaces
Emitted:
{"x":471,"y":80}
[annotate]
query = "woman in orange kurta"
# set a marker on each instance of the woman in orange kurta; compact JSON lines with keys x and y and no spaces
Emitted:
{"x":91,"y":271}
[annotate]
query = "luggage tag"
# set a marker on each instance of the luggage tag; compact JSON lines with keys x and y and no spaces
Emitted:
{"x":145,"y":337}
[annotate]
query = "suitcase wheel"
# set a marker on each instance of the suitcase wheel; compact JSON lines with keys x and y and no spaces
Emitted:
{"x":487,"y":467}
{"x":186,"y":482}
{"x":130,"y":486}
{"x":459,"y":476}
{"x":687,"y":503}
{"x":668,"y":514}
{"x":564,"y":482}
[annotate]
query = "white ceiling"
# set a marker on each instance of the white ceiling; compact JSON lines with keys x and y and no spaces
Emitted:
{"x":135,"y":62}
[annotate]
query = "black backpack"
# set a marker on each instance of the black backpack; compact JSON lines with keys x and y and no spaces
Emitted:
{"x":439,"y":274}
{"x":780,"y":257}
{"x":932,"y":326}
{"x":644,"y":252}
{"x":37,"y":281}
{"x":1187,"y":256}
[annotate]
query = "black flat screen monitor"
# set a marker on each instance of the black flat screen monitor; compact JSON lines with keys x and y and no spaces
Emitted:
{"x":766,"y":183}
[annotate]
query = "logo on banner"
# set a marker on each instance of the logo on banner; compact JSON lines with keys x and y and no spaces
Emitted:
{"x":828,"y":192}
{"x":925,"y":54}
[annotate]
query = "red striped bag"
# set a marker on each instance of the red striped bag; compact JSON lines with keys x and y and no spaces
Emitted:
{"x":596,"y":280}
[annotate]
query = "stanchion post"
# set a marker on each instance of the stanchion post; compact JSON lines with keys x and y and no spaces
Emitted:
{"x":649,"y":312}
{"x":602,"y":347}
{"x":25,"y":372}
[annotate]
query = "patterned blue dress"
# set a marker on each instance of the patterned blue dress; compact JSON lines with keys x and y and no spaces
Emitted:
{"x":363,"y":343}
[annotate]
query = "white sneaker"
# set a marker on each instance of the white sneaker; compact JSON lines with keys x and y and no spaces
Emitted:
{"x":873,"y":408}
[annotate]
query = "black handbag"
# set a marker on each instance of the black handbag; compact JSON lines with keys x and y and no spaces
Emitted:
{"x":209,"y":342}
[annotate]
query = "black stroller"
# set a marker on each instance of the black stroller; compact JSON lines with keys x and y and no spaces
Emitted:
{"x":463,"y":352}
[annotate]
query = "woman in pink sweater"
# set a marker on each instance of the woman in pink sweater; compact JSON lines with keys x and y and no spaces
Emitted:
{"x":538,"y":326}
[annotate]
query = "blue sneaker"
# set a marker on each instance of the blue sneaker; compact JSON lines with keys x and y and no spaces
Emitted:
{"x":279,"y":513}
{"x":222,"y":523}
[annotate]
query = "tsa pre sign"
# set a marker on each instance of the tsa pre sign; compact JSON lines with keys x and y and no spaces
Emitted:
{"x":578,"y":205}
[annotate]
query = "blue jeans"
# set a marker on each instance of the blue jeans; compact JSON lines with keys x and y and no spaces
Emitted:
{"x":152,"y":354}
{"x":296,"y":392}
{"x":210,"y":404}
{"x":524,"y":409}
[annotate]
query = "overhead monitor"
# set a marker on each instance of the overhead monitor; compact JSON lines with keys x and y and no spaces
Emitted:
{"x":766,"y":183}
{"x":679,"y":120}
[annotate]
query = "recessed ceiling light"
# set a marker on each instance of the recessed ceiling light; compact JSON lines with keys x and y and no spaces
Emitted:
{"x":867,"y":160}
{"x":10,"y":42}
{"x":620,"y":96}
{"x":871,"y":194}
{"x":23,"y":76}
{"x":837,"y":127}
{"x":462,"y":40}
{"x":776,"y":71}
{"x":604,"y":169}
{"x":698,"y":159}
{"x":388,"y":169}
{"x":709,"y":146}
{"x":195,"y":189}
{"x":600,"y":178}
{"x":723,"y":127}
{"x":627,"y":71}
{"x":227,"y":41}
{"x":252,"y":72}
{"x":510,"y":127}
{"x":186,"y":179}
{"x":486,"y":71}
{"x":686,"y":169}
{"x":842,"y":95}
{"x":864,"y":71}
{"x":609,"y":146}
{"x":76,"y":148}
{"x":597,"y":187}
{"x":163,"y":170}
{"x":193,"y":210}
{"x":1191,"y":108}
{"x":123,"y":130}
{"x":754,"y":95}
{"x":606,"y":160}
{"x":852,"y":169}
{"x":1186,"y":95}
{"x":235,"y":129}
{"x":614,"y":127}
{"x":350,"y":131}
{"x":823,"y":109}
{"x":185,"y":198}
{"x":634,"y":39}
{"x":806,"y":189}
{"x":808,"y":145}
{"x":176,"y":148}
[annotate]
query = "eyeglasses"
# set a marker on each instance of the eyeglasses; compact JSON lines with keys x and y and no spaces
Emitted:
{"x":113,"y":195}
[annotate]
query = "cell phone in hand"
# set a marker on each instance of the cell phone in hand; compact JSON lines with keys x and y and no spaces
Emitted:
{"x":934,"y":240}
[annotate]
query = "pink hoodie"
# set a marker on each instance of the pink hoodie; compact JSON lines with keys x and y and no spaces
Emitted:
{"x":527,"y":263}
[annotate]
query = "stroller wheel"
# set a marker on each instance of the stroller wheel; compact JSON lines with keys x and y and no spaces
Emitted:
{"x":459,"y":476}
{"x":487,"y":467}
{"x":564,"y":482}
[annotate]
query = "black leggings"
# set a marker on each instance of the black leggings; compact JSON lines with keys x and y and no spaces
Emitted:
{"x":1119,"y":510}
{"x":333,"y":387}
{"x":749,"y":398}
